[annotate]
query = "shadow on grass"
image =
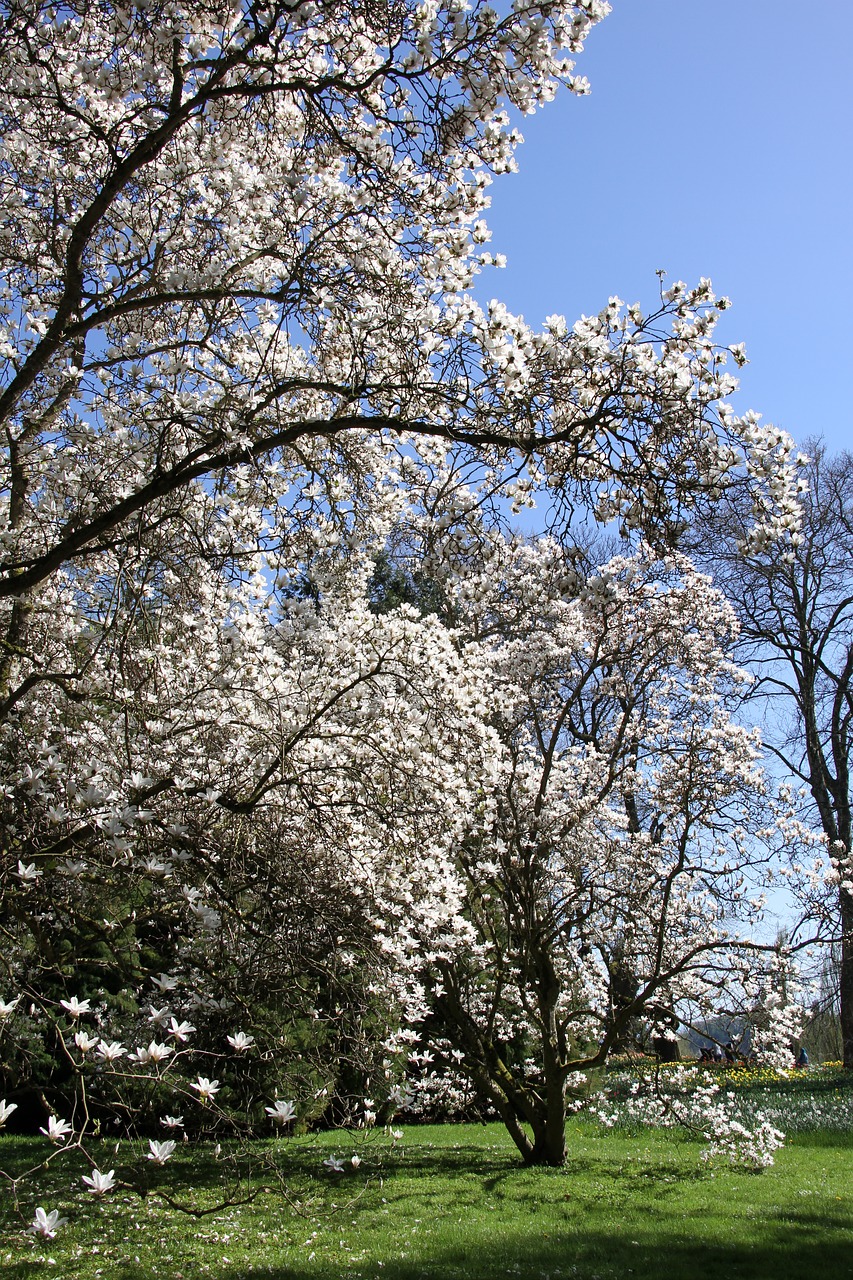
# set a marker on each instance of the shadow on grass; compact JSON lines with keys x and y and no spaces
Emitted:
{"x":801,"y":1248}
{"x":617,"y":1212}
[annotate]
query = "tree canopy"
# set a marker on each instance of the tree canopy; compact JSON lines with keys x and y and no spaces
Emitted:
{"x":256,"y":767}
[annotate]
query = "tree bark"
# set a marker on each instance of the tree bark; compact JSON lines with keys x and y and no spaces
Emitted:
{"x":846,"y":978}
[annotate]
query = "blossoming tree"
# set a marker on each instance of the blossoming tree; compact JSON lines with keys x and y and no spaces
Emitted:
{"x":610,"y":875}
{"x":239,"y":349}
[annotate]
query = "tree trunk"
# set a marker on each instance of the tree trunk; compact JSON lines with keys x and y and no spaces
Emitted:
{"x":549,"y":1140}
{"x":845,"y":978}
{"x":666,"y":1050}
{"x":549,"y":1123}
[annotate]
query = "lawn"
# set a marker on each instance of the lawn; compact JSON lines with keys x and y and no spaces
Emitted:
{"x":453,"y":1203}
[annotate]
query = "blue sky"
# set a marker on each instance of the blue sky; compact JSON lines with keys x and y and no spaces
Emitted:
{"x":717,"y":141}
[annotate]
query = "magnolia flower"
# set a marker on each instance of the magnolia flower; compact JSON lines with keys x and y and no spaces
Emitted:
{"x":160,"y":1016}
{"x":110,"y":1052}
{"x":155,"y":867}
{"x":165,"y":982}
{"x":139,"y":781}
{"x":57,"y":1129}
{"x":6,"y":1109}
{"x":72,"y":867}
{"x":355,"y":1161}
{"x":160,"y":1151}
{"x":172,"y":1122}
{"x":75,"y":1007}
{"x":282,"y":1111}
{"x":206,"y":1088}
{"x":154,"y":1053}
{"x":8,"y":1006}
{"x":334,"y":1164}
{"x":84,"y":1041}
{"x":100,"y":1183}
{"x":27,"y":874}
{"x":396,"y":1134}
{"x":240,"y":1041}
{"x":420,"y":1059}
{"x":181,"y":1030}
{"x":47,"y":1224}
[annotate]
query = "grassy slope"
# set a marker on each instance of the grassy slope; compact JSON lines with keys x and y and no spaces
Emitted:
{"x":452,"y":1202}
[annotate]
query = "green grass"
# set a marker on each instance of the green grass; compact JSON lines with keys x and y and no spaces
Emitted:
{"x":453,"y":1203}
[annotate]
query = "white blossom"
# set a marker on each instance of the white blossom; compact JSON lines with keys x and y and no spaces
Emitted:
{"x":97,"y":1183}
{"x":57,"y":1130}
{"x":206,"y":1088}
{"x":28,"y":873}
{"x":47,"y":1223}
{"x":154,"y":1053}
{"x":76,"y":1008}
{"x":110,"y":1050}
{"x":160,"y":1152}
{"x":281,"y":1112}
{"x":181,"y":1030}
{"x":240,"y":1041}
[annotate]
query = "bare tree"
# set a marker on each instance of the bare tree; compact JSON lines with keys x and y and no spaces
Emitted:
{"x":796,"y":613}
